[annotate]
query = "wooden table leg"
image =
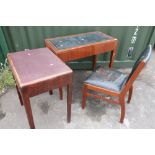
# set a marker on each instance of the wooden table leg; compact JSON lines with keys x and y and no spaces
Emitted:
{"x":94,"y":62}
{"x":51,"y":92}
{"x":19,"y":96}
{"x":112,"y":57}
{"x":84,"y":97}
{"x":69,"y":102}
{"x":28,"y":110}
{"x":61,"y":93}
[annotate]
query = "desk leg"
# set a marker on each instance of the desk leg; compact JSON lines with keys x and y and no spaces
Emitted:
{"x":19,"y":96}
{"x":51,"y":92}
{"x":112,"y":57}
{"x":94,"y":62}
{"x":69,"y":102}
{"x":61,"y":93}
{"x":28,"y":110}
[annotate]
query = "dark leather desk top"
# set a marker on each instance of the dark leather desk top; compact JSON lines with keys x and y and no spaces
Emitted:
{"x":36,"y":65}
{"x":79,"y":40}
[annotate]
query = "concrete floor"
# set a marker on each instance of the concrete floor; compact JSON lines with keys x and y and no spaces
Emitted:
{"x":50,"y":112}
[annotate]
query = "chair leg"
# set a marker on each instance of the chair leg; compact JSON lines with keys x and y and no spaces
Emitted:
{"x":130,"y":94}
{"x":122,"y":104}
{"x":84,"y":97}
{"x":61,"y":93}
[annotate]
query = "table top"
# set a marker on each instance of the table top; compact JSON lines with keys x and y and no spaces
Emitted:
{"x":67,"y":42}
{"x":37,"y":65}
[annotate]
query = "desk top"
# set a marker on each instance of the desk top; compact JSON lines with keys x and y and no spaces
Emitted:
{"x":30,"y":67}
{"x":66,"y":42}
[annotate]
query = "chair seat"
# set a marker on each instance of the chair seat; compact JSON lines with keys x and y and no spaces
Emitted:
{"x":110,"y":79}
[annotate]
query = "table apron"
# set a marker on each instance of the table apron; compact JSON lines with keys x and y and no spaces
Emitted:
{"x":86,"y":51}
{"x":44,"y":86}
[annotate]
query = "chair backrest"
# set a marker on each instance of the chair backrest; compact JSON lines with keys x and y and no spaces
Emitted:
{"x":144,"y":56}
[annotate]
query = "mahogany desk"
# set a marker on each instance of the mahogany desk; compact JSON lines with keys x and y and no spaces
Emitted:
{"x":83,"y":45}
{"x":37,"y":71}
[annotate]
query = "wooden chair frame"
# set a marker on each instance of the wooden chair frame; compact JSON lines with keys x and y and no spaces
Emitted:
{"x":121,"y":95}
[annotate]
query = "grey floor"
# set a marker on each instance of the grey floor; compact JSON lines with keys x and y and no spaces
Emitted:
{"x":50,"y":112}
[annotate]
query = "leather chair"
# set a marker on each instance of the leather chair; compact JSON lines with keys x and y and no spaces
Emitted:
{"x":115,"y":83}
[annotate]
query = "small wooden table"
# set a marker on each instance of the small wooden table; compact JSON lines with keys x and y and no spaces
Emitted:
{"x":37,"y":71}
{"x":83,"y":45}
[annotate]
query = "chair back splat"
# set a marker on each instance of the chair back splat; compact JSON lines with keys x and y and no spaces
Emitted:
{"x":137,"y":67}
